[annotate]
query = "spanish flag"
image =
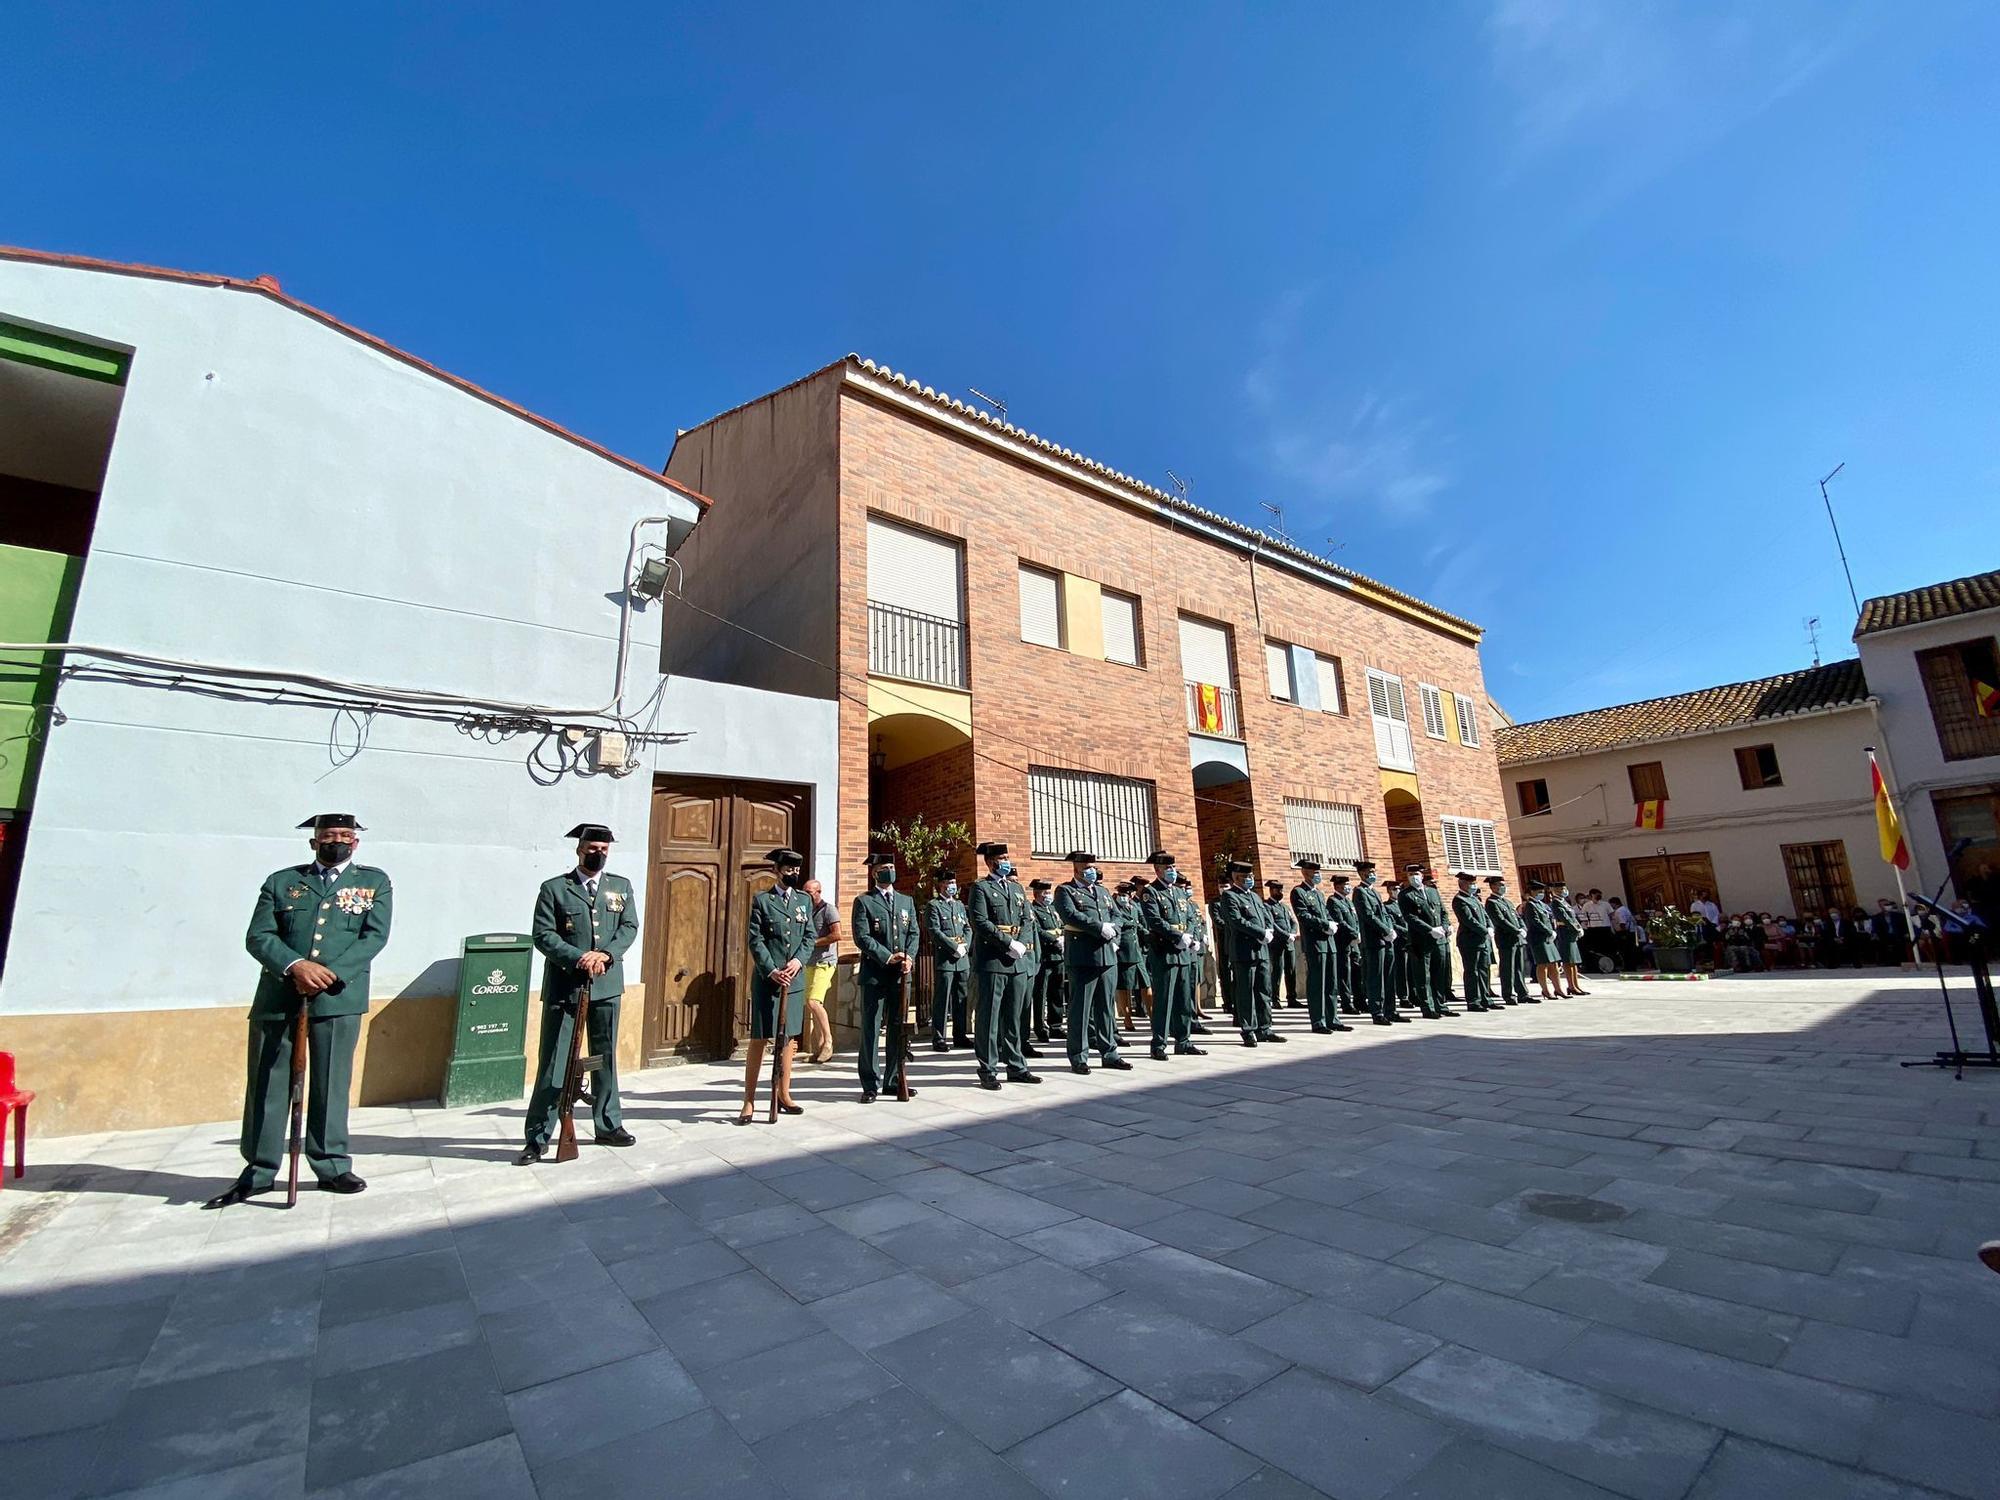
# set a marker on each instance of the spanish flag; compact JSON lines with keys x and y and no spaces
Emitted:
{"x":1651,"y":813}
{"x":1985,"y":698}
{"x":1208,"y":708}
{"x":1888,"y":828}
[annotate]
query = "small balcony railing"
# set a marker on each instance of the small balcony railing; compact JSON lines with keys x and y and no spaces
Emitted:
{"x":915,"y":647}
{"x":1212,"y":710}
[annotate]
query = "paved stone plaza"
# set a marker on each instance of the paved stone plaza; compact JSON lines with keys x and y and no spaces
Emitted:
{"x":1672,"y":1239}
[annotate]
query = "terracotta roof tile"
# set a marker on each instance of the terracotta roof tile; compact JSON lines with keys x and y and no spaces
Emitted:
{"x":1934,"y":601}
{"x":1835,"y":685}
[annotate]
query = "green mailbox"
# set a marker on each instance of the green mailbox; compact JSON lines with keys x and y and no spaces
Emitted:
{"x":488,"y":1061}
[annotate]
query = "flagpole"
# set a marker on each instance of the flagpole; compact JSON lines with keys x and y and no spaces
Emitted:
{"x":1902,"y":898}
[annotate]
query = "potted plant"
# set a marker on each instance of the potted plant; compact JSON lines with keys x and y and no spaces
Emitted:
{"x":1676,"y":936}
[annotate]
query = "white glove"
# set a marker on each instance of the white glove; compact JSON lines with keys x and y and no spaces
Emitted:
{"x":1186,"y":941}
{"x":1339,"y":928}
{"x":1059,"y":939}
{"x":1437,"y":932}
{"x":1197,"y":945}
{"x":961,"y":949}
{"x":1109,"y":930}
{"x":1015,"y":949}
{"x":1267,"y":934}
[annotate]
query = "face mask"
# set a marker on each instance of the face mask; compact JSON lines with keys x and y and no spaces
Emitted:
{"x":1090,"y":876}
{"x":1416,"y":880}
{"x":594,"y":861}
{"x":950,"y":889}
{"x":791,"y":879}
{"x":333,"y":851}
{"x":1046,"y":898}
{"x":1312,"y":879}
{"x":1367,"y":879}
{"x":886,"y":875}
{"x":1004,"y":868}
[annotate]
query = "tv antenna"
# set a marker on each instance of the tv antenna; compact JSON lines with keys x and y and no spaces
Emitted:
{"x":1180,"y":485}
{"x":1332,"y":546}
{"x":1840,"y":546}
{"x":993,"y":401}
{"x":1277,"y":520}
{"x":1812,"y":635}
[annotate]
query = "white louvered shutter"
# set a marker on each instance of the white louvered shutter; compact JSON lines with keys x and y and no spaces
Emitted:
{"x":1121,"y":629}
{"x":1204,"y":652}
{"x":1468,"y":719}
{"x":1041,"y":608}
{"x":1470,"y":845}
{"x":1329,"y":684}
{"x":1433,"y":704}
{"x":914,"y":570}
{"x":1392,"y":722}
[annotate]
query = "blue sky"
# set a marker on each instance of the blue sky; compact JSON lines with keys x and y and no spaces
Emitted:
{"x":1550,"y":311}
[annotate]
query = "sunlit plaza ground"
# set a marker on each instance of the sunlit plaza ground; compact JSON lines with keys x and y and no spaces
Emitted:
{"x":1671,"y":1239}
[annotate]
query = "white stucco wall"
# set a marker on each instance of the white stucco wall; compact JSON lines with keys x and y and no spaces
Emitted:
{"x":1890,"y":660}
{"x":282,"y":495}
{"x":1825,"y":796}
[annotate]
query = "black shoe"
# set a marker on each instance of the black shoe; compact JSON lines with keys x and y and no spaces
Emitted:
{"x":237,"y":1192}
{"x":895,"y":1094}
{"x":939,"y":1044}
{"x":1399,"y":1020}
{"x":961,"y":1041}
{"x":1022,"y":1075}
{"x":1189,"y":1049}
{"x":1116,"y":1065}
{"x":1041,"y":1035}
{"x":1159,"y":1052}
{"x":1197,"y":1029}
{"x":1080,"y":1067}
{"x":1532,"y":1000}
{"x":346,"y":1182}
{"x":1320,"y":1030}
{"x":1056,"y":1033}
{"x":530,"y":1154}
{"x":799,"y":1109}
{"x":1384,"y":1021}
{"x":988,"y":1081}
{"x":619,"y":1137}
{"x":1027,"y":1051}
{"x":868,"y":1096}
{"x":1446,"y":1010}
{"x":1249,"y":1040}
{"x":1340,"y":1026}
{"x":1272,"y":1036}
{"x":1295,"y":1005}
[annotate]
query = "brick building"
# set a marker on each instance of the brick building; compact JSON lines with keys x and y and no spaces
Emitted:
{"x":1058,"y":654}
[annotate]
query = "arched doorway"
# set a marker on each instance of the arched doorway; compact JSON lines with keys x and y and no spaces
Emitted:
{"x":1409,"y":837}
{"x":1225,"y":822}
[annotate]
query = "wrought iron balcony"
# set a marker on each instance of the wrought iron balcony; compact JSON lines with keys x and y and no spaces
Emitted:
{"x":915,"y":647}
{"x":1212,"y":710}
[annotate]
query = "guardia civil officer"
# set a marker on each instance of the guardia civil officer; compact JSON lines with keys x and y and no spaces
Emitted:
{"x":1247,"y":921}
{"x":315,"y":929}
{"x":1090,"y":954}
{"x":1133,"y":987}
{"x":1399,"y":962}
{"x":950,"y":932}
{"x":1284,"y":939}
{"x":1509,"y":935}
{"x":584,"y":922}
{"x":998,"y":908}
{"x":1046,"y":989}
{"x":1540,"y":923}
{"x":1473,"y":933}
{"x":1347,"y":989}
{"x":1378,"y":946}
{"x":1430,"y":970}
{"x":885,"y":929}
{"x":780,"y":933}
{"x":1171,"y":920}
{"x":1316,"y":946}
{"x":1569,"y":938}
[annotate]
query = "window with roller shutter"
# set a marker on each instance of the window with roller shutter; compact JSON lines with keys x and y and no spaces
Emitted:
{"x":1278,"y":670}
{"x":1041,"y":607}
{"x":1121,"y":629}
{"x":1330,"y":700}
{"x":1393,"y":749}
{"x":914,"y":570}
{"x":1205,"y":652}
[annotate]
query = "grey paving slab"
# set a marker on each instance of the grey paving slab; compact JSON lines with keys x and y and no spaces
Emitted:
{"x":949,"y":1251}
{"x":543,"y":1341}
{"x":378,"y":1288}
{"x":1129,"y":1448}
{"x":1128,"y":1208}
{"x":697,"y":1454}
{"x":870,"y":1218}
{"x":574,"y":1414}
{"x":391,"y":1415}
{"x":1273,"y":1484}
{"x":1487,"y":1267}
{"x":267,"y":1334}
{"x":819,"y":1263}
{"x":1793,"y":1411}
{"x":733,"y":1317}
{"x":1352,"y":1445}
{"x":1338,"y":1341}
{"x":644,"y":1231}
{"x":651,"y":1275}
{"x":1891,"y":1366}
{"x":762,"y":1394}
{"x":492,"y":1470}
{"x":1178,"y":1362}
{"x":1471,"y":1470}
{"x":999,"y":1382}
{"x":197,"y":1426}
{"x":1738,"y":1242}
{"x":1322,"y":1271}
{"x":39,"y":1408}
{"x":1501,"y":1326}
{"x":1929,"y":1445}
{"x":894,"y":1446}
{"x":1201,"y":1232}
{"x":43,"y":1340}
{"x":395,"y":1336}
{"x":776,"y":1221}
{"x":1746,"y":1470}
{"x":1035,"y":1291}
{"x":1339,"y":1227}
{"x":1221,"y":1296}
{"x":879,"y":1312}
{"x":1084,"y":1242}
{"x":1727,"y":1328}
{"x":1573,"y":1428}
{"x":1855,"y":1304}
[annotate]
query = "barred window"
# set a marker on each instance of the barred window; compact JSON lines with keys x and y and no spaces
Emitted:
{"x":1110,"y":816}
{"x":1329,"y":832}
{"x":1469,"y":845}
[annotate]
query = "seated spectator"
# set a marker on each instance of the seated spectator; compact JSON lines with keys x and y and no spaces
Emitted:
{"x":1806,"y":934}
{"x":1779,"y":944}
{"x":1621,"y":932}
{"x":1890,"y":928}
{"x":1742,"y":954}
{"x":1861,"y":945}
{"x":1642,"y":944}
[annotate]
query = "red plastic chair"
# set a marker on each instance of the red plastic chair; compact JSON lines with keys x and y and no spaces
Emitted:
{"x":15,"y":1101}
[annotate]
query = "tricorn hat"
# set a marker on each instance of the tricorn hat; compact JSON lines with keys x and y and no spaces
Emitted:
{"x":1413,"y":869}
{"x":1537,"y":885}
{"x":990,"y":850}
{"x":1363,"y":866}
{"x":785,"y":857}
{"x":1467,"y":875}
{"x":332,"y":820}
{"x":1159,"y":857}
{"x":1038,"y":885}
{"x":590,"y":833}
{"x":1496,"y":879}
{"x":944,"y":872}
{"x":880,"y":857}
{"x":1306,"y":864}
{"x":1079,"y":856}
{"x":1240,"y":867}
{"x":1340,"y":877}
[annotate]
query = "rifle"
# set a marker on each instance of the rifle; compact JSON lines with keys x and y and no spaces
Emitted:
{"x":780,"y":1035}
{"x":572,"y":1089}
{"x":300,"y":1046}
{"x":899,"y":1041}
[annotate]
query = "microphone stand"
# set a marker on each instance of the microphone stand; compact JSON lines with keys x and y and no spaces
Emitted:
{"x":1957,"y":1058}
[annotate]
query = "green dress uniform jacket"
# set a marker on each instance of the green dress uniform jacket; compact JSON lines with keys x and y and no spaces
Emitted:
{"x":1509,"y":934}
{"x":950,"y":930}
{"x":1091,"y":961}
{"x":1430,"y":970}
{"x":1316,"y":948}
{"x":884,"y":926}
{"x":342,"y":923}
{"x":1541,"y":926}
{"x":1131,"y":958}
{"x":1310,"y":915}
{"x":999,"y":910}
{"x":780,"y":930}
{"x":568,"y":923}
{"x":1569,"y":930}
{"x":1473,"y":935}
{"x":1346,"y":945}
{"x":1170,"y":921}
{"x":1376,"y":926}
{"x":1245,"y":919}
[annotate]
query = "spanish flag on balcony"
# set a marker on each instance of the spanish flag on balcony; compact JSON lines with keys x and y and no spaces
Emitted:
{"x":1652,"y":813}
{"x":1888,"y":827}
{"x":1985,"y":698}
{"x":1208,"y":708}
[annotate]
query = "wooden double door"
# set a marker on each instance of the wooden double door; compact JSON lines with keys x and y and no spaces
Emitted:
{"x":709,"y":841}
{"x":1669,"y":880}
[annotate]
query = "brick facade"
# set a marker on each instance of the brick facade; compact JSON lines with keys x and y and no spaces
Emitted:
{"x":1034,"y":705}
